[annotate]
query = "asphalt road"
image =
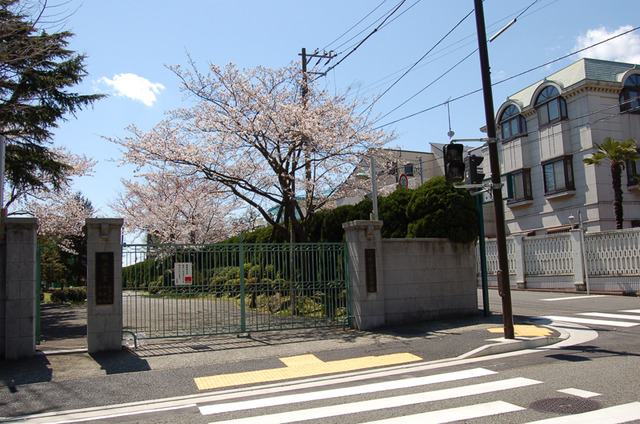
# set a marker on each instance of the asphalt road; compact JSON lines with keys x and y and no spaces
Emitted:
{"x":600,"y":371}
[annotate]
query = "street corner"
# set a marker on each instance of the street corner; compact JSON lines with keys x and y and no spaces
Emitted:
{"x":527,"y":336}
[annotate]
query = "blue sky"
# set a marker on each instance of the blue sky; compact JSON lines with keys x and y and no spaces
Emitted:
{"x":128,"y":43}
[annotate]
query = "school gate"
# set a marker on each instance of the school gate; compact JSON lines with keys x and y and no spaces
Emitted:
{"x":193,"y":290}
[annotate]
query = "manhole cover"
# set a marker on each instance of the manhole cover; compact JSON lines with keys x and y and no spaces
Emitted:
{"x":565,"y":405}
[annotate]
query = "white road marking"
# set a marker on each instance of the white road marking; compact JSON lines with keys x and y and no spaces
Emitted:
{"x":592,"y":321}
{"x":633,"y":311}
{"x":580,"y":393}
{"x":343,"y":392}
{"x":390,"y":402}
{"x":454,"y":414}
{"x":100,"y":414}
{"x":614,"y":316}
{"x":613,"y":415}
{"x":554,"y":299}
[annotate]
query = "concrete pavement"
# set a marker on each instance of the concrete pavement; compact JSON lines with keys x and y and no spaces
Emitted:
{"x":67,"y":358}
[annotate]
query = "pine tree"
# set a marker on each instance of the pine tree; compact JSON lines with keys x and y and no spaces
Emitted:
{"x":36,"y":71}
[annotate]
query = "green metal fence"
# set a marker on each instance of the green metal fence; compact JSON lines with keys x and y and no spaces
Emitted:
{"x":188,"y":290}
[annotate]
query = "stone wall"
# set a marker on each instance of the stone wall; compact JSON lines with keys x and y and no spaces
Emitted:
{"x":395,"y":281}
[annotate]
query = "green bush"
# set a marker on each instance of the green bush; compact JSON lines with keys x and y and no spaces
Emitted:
{"x":332,"y":231}
{"x":69,"y":295}
{"x":438,"y":209}
{"x":393,"y":212}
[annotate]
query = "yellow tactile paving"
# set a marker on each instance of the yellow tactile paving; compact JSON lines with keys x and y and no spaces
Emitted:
{"x":303,"y":366}
{"x":525,"y":331}
{"x":301,"y":361}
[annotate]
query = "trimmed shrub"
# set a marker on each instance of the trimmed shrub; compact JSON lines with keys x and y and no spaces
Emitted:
{"x":69,"y":295}
{"x":438,"y":209}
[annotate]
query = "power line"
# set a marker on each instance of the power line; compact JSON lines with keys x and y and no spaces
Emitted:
{"x":371,"y":86}
{"x":428,"y":85}
{"x":365,"y":39}
{"x":423,"y":56}
{"x":355,"y":25}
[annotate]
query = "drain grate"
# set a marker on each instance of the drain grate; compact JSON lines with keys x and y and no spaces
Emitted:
{"x":565,"y":405}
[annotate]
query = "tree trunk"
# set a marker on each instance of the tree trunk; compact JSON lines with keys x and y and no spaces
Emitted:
{"x":616,"y":176}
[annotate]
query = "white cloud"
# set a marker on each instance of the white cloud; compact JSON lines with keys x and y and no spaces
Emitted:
{"x":622,"y":49}
{"x":134,"y":87}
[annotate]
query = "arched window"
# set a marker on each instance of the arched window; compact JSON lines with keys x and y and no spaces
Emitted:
{"x":630,"y":95}
{"x":551,"y":107}
{"x":512,"y":124}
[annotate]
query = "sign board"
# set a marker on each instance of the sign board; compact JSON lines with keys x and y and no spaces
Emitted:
{"x":105,"y":281}
{"x":370,"y":270}
{"x":183,"y":273}
{"x":404,"y":181}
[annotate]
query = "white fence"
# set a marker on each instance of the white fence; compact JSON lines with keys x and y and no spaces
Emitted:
{"x":606,"y":261}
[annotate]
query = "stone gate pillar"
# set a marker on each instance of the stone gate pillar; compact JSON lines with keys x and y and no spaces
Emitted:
{"x":104,"y":284}
{"x":364,"y":241}
{"x":18,"y":289}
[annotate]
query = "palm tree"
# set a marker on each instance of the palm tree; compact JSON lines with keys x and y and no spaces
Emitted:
{"x":617,"y":153}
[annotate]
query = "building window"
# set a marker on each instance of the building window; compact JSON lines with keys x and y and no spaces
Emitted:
{"x":521,"y":183}
{"x":408,"y":170}
{"x":633,"y":171}
{"x":512,"y":124}
{"x":551,"y":107}
{"x":558,"y":175}
{"x":630,"y":95}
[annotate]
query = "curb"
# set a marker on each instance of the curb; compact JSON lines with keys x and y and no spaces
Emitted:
{"x":503,"y":345}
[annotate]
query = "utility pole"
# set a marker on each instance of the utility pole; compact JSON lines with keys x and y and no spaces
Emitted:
{"x":304,"y":90}
{"x":503,"y":266}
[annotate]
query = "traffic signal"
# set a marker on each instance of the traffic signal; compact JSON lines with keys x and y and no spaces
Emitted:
{"x":472,"y":175}
{"x":453,"y":162}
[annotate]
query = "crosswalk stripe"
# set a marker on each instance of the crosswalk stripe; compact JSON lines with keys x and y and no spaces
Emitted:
{"x":454,"y":414}
{"x":613,"y":415}
{"x":390,"y":402}
{"x":554,"y":299}
{"x":343,"y":392}
{"x":614,"y":316}
{"x":578,"y":320}
{"x":580,"y":393}
{"x":633,"y":311}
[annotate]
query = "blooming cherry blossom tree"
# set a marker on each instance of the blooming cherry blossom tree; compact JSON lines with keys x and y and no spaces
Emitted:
{"x":171,"y":207}
{"x":250,"y":132}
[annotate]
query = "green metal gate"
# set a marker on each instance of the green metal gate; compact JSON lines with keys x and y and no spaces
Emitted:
{"x":189,"y":290}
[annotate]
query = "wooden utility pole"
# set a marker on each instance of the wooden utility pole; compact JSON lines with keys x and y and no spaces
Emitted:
{"x":504,"y":287}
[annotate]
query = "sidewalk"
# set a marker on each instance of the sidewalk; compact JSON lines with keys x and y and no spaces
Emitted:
{"x":62,"y":354}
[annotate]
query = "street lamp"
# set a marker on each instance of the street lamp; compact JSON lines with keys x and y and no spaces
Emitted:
{"x":374,"y":187}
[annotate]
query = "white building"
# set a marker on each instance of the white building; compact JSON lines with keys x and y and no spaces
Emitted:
{"x":546,"y":129}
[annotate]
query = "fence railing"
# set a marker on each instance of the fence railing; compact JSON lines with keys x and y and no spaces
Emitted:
{"x":608,"y":260}
{"x":613,"y":253}
{"x":548,"y":255}
{"x":183,"y":290}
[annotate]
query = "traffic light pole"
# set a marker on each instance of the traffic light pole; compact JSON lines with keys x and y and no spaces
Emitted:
{"x":504,"y":287}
